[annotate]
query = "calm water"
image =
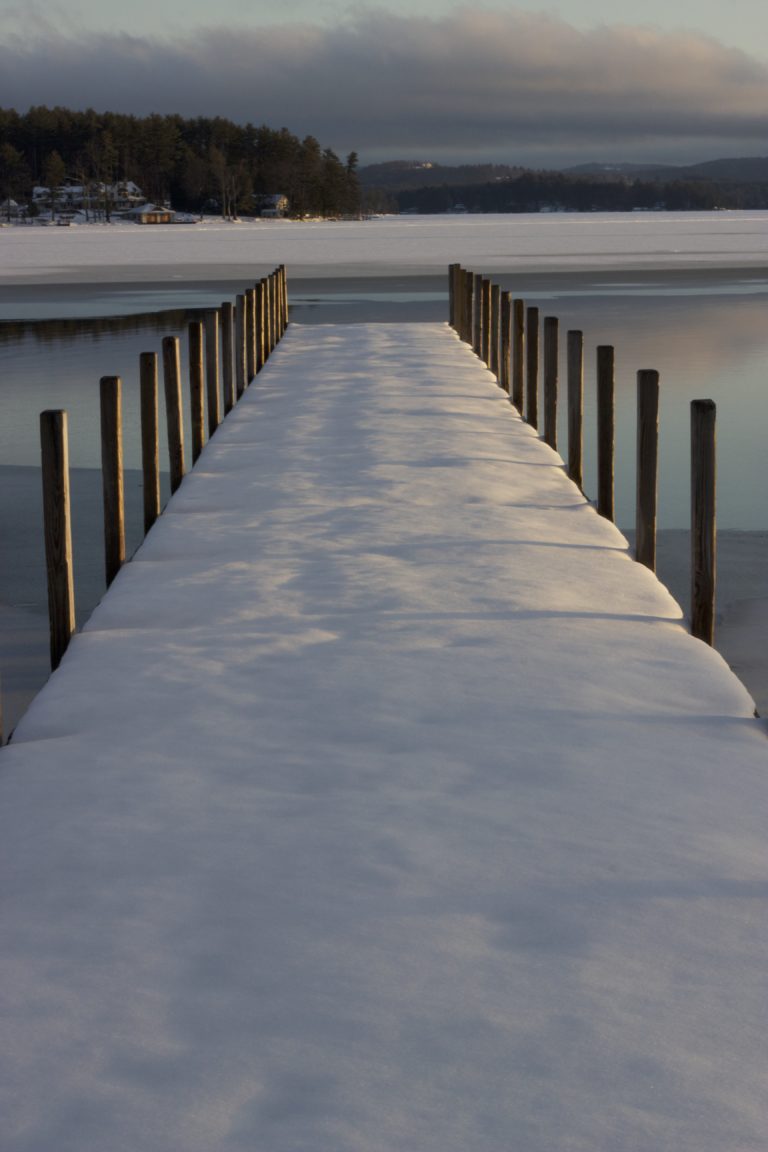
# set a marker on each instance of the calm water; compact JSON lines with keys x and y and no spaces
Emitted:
{"x":704,"y":331}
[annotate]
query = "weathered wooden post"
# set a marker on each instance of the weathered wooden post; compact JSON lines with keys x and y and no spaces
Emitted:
{"x":605,"y":430}
{"x":458,"y":300}
{"x":196,"y":387}
{"x":551,"y":329}
{"x":460,"y":304}
{"x":518,"y":353}
{"x":54,"y":443}
{"x":495,"y":349}
{"x":485,"y":345}
{"x":241,"y":360}
{"x":150,"y":441}
{"x":647,"y":466}
{"x":212,"y":370}
{"x":250,"y":334}
{"x":469,"y":306}
{"x":278,"y":306}
{"x":453,"y":270}
{"x":173,"y":409}
{"x":284,"y":296}
{"x":267,"y":318}
{"x":703,"y":520}
{"x":227,"y":356}
{"x":272,"y":313}
{"x":532,"y":366}
{"x":477,"y":319}
{"x":112,"y":476}
{"x":259,"y":327}
{"x":506,"y":341}
{"x":576,"y":407}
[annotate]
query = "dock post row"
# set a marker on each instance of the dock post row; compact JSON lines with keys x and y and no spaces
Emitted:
{"x":225,"y":353}
{"x":507,"y":338}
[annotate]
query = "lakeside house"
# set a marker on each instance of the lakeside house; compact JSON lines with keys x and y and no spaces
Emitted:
{"x":274,"y":206}
{"x":71,"y":197}
{"x":149,"y":214}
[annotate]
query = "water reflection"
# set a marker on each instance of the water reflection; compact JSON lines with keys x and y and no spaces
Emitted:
{"x":703,"y":347}
{"x":94,"y":329}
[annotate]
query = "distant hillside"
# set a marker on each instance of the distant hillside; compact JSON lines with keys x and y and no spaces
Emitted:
{"x":739,"y":170}
{"x":398,"y":174}
{"x":408,"y":186}
{"x":746,"y":170}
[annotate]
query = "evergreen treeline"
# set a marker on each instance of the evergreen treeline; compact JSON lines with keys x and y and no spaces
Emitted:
{"x":534,"y":191}
{"x":189,"y":163}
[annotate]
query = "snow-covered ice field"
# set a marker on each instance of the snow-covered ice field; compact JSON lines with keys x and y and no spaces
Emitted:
{"x":418,"y":244}
{"x":384,"y":805}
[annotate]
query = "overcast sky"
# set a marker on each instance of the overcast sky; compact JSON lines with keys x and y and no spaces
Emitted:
{"x":540,"y":84}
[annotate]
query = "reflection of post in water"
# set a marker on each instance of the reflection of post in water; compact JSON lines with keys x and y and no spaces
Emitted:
{"x":95,"y":327}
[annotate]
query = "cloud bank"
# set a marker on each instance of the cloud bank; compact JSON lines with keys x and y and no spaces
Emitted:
{"x":475,"y":84}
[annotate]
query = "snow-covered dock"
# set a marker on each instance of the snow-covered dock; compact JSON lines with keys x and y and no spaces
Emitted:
{"x":384,"y":805}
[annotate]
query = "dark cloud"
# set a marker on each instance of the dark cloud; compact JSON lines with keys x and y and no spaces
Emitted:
{"x":476,"y":83}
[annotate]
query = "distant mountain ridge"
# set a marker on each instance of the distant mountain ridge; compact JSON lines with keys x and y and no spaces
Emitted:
{"x":397,"y":175}
{"x":739,"y":170}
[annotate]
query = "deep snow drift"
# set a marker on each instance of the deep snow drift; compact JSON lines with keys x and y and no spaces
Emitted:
{"x":384,"y":805}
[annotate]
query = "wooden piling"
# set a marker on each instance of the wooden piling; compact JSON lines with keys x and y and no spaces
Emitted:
{"x":259,"y":327}
{"x":518,"y":353}
{"x":506,"y":341}
{"x":469,"y":306}
{"x":494,"y":358}
{"x":458,"y":301}
{"x":485,"y":336}
{"x":196,"y":387}
{"x":272,"y":296}
{"x":250,"y":334}
{"x":532,"y":366}
{"x":703,"y":520}
{"x":54,"y":443}
{"x":284,"y":297}
{"x":150,"y":441}
{"x":575,"y":368}
{"x":241,"y":365}
{"x":551,"y":329}
{"x":227,"y":356}
{"x":212,"y":370}
{"x":173,"y":409}
{"x":605,"y":431}
{"x":477,"y":314}
{"x":453,"y":271}
{"x":267,"y":313}
{"x":647,"y":466}
{"x":112,"y":476}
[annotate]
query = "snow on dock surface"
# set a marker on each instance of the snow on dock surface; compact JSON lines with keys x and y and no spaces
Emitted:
{"x":384,"y":806}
